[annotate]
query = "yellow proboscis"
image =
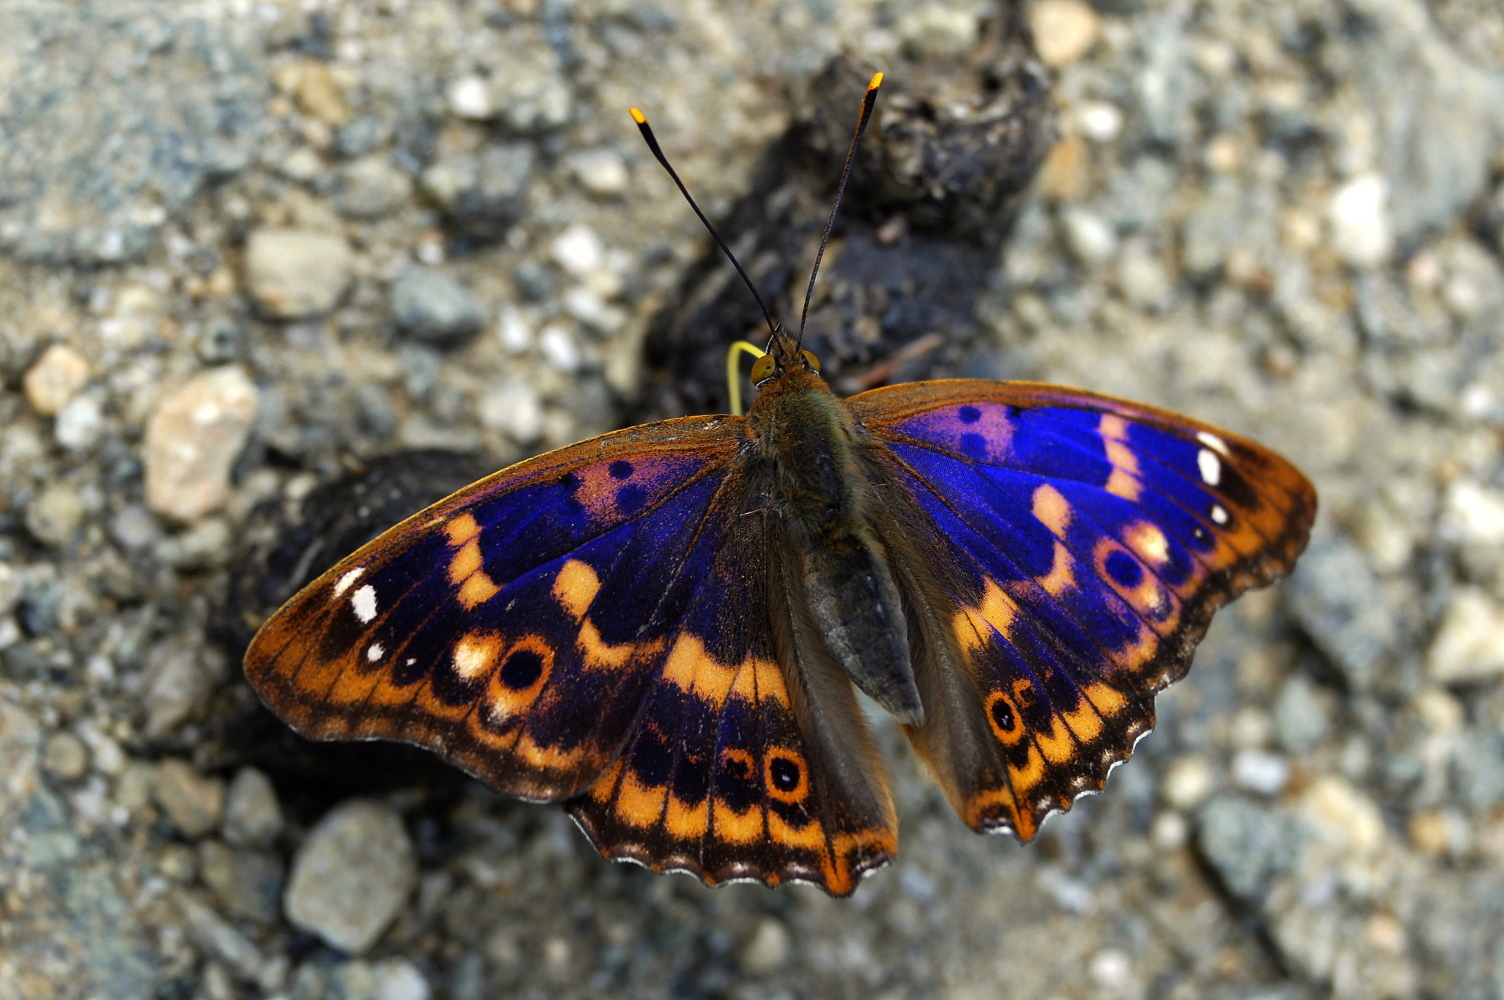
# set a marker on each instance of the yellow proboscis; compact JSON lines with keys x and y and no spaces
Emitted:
{"x":733,"y":377}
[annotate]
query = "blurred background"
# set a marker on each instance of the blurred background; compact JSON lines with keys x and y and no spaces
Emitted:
{"x":274,"y":274}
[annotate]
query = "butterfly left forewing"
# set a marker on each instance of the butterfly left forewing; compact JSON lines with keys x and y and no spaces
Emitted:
{"x":1092,"y":540}
{"x":512,"y":627}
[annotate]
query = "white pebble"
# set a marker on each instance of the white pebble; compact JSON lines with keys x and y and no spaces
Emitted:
{"x":1260,"y":771}
{"x":1361,"y":233}
{"x":80,"y":423}
{"x":514,"y":409}
{"x":559,"y":348}
{"x":578,"y":250}
{"x":1099,"y":121}
{"x":599,"y":171}
{"x":1090,"y":237}
{"x":470,"y":97}
{"x":513,"y":330}
{"x":57,"y":377}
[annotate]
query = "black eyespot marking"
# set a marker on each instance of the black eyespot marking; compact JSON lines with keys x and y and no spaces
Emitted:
{"x":620,"y":469}
{"x":629,"y":499}
{"x":970,"y":414}
{"x":785,"y":774}
{"x":570,"y":481}
{"x":1002,"y":715}
{"x":1122,"y":568}
{"x":974,"y":445}
{"x":522,"y":670}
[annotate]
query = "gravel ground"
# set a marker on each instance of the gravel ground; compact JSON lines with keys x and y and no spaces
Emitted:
{"x":245,"y":247}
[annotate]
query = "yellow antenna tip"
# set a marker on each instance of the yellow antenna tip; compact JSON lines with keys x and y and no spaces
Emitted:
{"x":642,"y":119}
{"x":876,"y":81}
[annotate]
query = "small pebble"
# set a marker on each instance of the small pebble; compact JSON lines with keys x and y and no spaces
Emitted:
{"x":398,"y":979}
{"x":319,"y":94}
{"x":1064,"y":30}
{"x":56,"y":377}
{"x":1188,"y":781}
{"x":302,"y":165}
{"x":253,"y":816}
{"x":1099,"y":121}
{"x":1344,"y":813}
{"x":246,"y":883}
{"x":65,"y":757}
{"x":370,"y":188}
{"x":205,"y":545}
{"x":431,"y":305}
{"x":80,"y":423}
{"x":180,"y":680}
{"x":193,"y":802}
{"x":470,"y":97}
{"x":135,"y":527}
{"x":1472,"y":513}
{"x":296,"y":273}
{"x":559,"y":348}
{"x":766,"y":949}
{"x":193,"y":437}
{"x":1361,"y":233}
{"x":1260,"y":771}
{"x":578,"y":250}
{"x":1469,"y":645}
{"x":55,"y":516}
{"x":514,"y":332}
{"x":937,"y":31}
{"x":1110,"y":969}
{"x":1090,"y":237}
{"x":352,"y":876}
{"x":513,"y":408}
{"x":599,"y":171}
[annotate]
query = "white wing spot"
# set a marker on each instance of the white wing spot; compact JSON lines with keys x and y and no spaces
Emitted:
{"x":409,"y":661}
{"x":1218,"y":514}
{"x":1211,"y":468}
{"x":1214,"y":443}
{"x":345,"y":581}
{"x":375,"y":652}
{"x":364,"y":604}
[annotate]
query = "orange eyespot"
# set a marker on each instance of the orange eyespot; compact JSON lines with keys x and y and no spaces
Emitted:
{"x":762,"y":369}
{"x":811,"y":360}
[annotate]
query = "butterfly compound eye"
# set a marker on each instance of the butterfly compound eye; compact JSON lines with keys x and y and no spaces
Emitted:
{"x":811,"y":360}
{"x":762,"y":368}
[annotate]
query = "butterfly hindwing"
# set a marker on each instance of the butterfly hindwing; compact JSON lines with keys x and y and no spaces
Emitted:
{"x":745,"y":763}
{"x":1089,"y":541}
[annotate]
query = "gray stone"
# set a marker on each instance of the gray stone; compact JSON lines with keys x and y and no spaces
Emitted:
{"x":296,"y":273}
{"x":253,"y":816}
{"x":514,"y":409}
{"x":193,"y":437}
{"x":1302,"y":714}
{"x":193,"y":802}
{"x":116,"y":115}
{"x":181,"y":676}
{"x":246,"y":883}
{"x":352,"y":875}
{"x":215,"y":935}
{"x":1478,"y":769}
{"x":433,"y":306}
{"x":205,"y":545}
{"x":483,"y":193}
{"x":1247,"y":844}
{"x":55,"y":516}
{"x":370,"y":188}
{"x":1336,"y":598}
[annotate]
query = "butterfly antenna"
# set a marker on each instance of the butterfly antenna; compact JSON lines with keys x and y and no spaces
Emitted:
{"x":869,"y":100}
{"x":652,"y":141}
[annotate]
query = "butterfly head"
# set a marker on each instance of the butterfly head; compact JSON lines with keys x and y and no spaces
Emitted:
{"x":784,"y":357}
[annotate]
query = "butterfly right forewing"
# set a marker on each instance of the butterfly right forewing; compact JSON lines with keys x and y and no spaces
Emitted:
{"x":1088,"y":541}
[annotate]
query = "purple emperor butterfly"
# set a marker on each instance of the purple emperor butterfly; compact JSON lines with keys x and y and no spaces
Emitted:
{"x":665,"y":628}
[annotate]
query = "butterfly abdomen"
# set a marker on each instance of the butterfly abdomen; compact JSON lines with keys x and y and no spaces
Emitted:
{"x":822,"y":505}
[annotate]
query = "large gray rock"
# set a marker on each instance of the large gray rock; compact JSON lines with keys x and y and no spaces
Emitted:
{"x":352,"y":875}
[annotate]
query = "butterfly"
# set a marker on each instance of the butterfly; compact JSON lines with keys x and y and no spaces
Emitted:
{"x":666,"y":628}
